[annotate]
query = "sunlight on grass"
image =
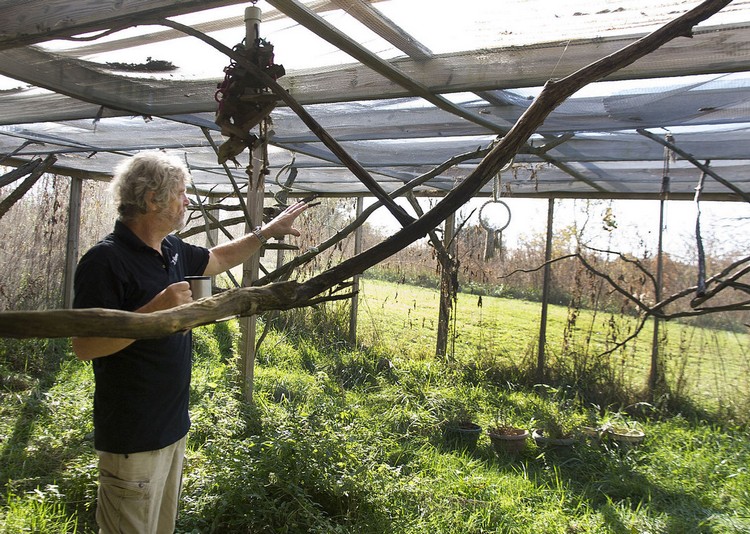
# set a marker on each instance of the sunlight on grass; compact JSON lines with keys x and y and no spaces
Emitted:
{"x":712,"y":366}
{"x":342,"y":439}
{"x":47,"y":462}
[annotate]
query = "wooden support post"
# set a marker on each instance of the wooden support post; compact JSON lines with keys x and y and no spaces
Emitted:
{"x":541,"y":356}
{"x":251,"y":269}
{"x":355,"y":283}
{"x":447,"y":287}
{"x":74,"y":230}
{"x":255,"y":192}
{"x":212,"y":234}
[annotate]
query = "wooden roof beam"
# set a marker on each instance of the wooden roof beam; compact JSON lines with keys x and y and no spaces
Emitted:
{"x":703,"y":167}
{"x":36,"y":21}
{"x":385,"y":28}
{"x":323,"y":29}
{"x":159,"y":36}
{"x":444,"y":73}
{"x":80,"y":80}
{"x":389,"y":31}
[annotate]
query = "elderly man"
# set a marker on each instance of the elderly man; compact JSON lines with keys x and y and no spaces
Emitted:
{"x":142,"y":386}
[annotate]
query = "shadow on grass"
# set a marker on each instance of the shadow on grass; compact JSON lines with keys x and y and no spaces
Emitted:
{"x":605,"y":477}
{"x":14,"y":459}
{"x":225,"y":339}
{"x":29,"y":464}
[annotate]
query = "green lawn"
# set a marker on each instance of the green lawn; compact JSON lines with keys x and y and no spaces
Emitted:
{"x":343,"y":440}
{"x":711,"y":366}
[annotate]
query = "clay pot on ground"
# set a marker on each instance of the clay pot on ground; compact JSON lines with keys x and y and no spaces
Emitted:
{"x":508,"y":440}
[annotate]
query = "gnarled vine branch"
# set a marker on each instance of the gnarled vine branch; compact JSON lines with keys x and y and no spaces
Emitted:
{"x":285,"y":295}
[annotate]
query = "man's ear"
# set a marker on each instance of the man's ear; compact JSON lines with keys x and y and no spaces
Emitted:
{"x":151,"y":204}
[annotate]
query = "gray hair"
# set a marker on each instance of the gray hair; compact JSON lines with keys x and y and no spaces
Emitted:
{"x":147,"y":171}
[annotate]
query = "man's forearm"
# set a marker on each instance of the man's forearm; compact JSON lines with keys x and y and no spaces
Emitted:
{"x":231,"y":254}
{"x":235,"y":252}
{"x":88,"y":348}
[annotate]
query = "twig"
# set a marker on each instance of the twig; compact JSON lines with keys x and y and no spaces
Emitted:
{"x":286,"y":295}
{"x":584,"y":261}
{"x":372,"y":185}
{"x":626,"y":259}
{"x":359,"y":221}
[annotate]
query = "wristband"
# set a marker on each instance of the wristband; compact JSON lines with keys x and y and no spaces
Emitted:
{"x":263,"y":239}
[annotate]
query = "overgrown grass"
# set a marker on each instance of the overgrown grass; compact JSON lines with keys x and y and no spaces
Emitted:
{"x":346,"y":440}
{"x":47,"y":464}
{"x":496,"y":339}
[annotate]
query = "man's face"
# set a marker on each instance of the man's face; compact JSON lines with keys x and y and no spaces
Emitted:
{"x":175,"y":213}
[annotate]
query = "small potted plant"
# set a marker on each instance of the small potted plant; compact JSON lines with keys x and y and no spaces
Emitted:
{"x":460,"y":431}
{"x":623,"y":433}
{"x":506,"y":436}
{"x":558,"y":425}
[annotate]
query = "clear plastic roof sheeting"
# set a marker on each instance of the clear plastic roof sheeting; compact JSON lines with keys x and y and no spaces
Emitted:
{"x":95,"y":82}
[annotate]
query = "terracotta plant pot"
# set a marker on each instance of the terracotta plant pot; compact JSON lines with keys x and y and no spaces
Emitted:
{"x":508,"y":440}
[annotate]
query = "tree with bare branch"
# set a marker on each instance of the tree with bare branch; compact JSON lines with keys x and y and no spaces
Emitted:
{"x":273,"y":295}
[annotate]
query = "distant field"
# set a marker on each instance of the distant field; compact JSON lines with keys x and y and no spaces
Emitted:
{"x":713,"y":366}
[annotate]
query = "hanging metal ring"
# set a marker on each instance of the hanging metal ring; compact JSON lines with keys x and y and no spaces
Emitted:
{"x":485,"y":219}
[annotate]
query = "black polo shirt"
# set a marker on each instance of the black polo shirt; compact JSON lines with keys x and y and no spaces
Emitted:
{"x":142,"y":392}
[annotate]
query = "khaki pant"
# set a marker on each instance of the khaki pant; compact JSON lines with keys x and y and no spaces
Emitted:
{"x":138,"y":493}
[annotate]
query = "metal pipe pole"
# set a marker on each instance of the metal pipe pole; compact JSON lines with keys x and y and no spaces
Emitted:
{"x":655,"y":373}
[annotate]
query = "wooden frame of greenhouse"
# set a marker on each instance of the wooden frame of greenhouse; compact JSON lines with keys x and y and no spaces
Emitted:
{"x":375,"y":99}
